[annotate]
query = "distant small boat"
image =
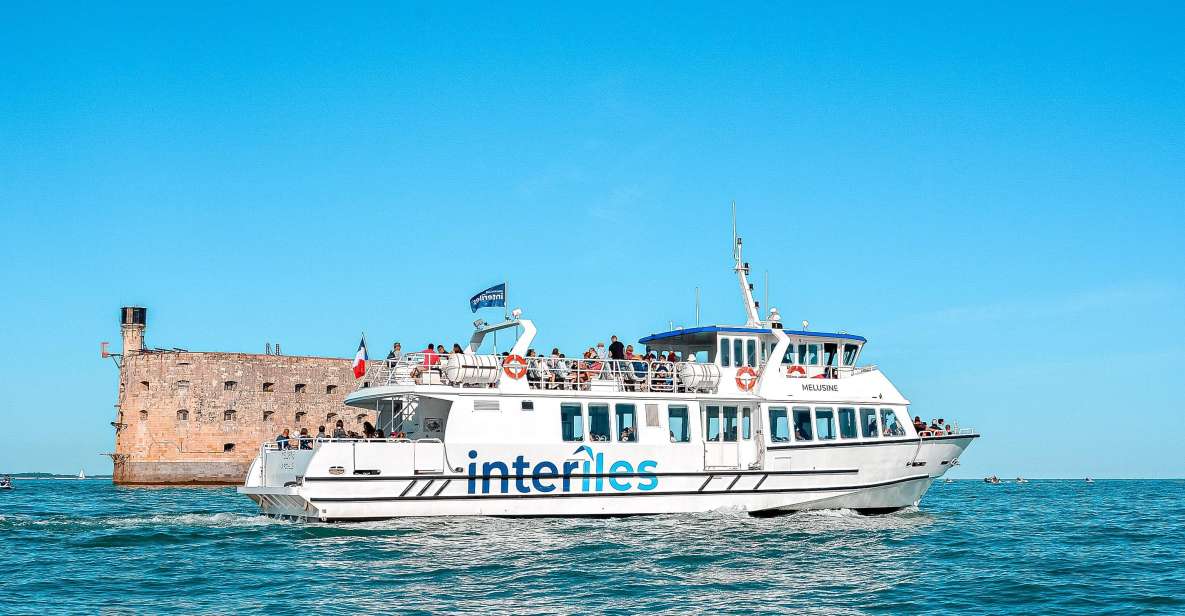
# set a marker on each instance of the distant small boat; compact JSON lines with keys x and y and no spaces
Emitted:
{"x":1089,"y":480}
{"x":81,"y":475}
{"x":992,"y":480}
{"x":1021,"y":480}
{"x":6,"y":482}
{"x":948,"y":480}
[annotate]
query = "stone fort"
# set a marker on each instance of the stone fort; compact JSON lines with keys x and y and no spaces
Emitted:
{"x":185,"y":417}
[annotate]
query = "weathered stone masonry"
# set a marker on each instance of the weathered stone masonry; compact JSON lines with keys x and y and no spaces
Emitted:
{"x":198,"y":418}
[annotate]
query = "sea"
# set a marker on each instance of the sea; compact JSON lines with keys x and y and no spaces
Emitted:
{"x":1045,"y":547}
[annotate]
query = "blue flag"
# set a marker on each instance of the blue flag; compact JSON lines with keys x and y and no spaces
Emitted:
{"x":493,"y":296}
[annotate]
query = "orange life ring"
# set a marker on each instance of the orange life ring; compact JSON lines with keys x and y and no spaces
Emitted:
{"x":515,"y":367}
{"x":793,"y":370}
{"x":747,"y":383}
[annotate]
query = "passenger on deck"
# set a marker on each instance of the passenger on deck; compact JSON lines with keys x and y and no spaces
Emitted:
{"x":339,"y":431}
{"x":431,"y":359}
{"x":367,"y":429}
{"x":306,"y":441}
{"x":396,"y":352}
{"x":601,"y":353}
{"x":616,"y":349}
{"x":535,"y":370}
{"x":321,"y":432}
{"x":440,"y":351}
{"x":457,"y":350}
{"x":283,"y":441}
{"x":379,"y":433}
{"x":918,"y":424}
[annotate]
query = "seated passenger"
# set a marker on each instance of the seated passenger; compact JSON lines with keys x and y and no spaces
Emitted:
{"x":321,"y":432}
{"x":379,"y":433}
{"x":306,"y":441}
{"x":627,"y":435}
{"x":918,"y":424}
{"x":534,"y":367}
{"x":339,"y":431}
{"x":367,"y":429}
{"x":457,"y":350}
{"x":284,"y":440}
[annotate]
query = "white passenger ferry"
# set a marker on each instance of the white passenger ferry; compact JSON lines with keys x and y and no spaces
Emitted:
{"x":752,"y":417}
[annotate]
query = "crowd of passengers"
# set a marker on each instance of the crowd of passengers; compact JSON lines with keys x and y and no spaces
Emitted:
{"x":304,"y":440}
{"x":556,"y":371}
{"x":937,"y":427}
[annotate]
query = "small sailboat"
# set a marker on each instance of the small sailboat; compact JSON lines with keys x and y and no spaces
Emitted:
{"x":81,"y":475}
{"x":1021,"y":480}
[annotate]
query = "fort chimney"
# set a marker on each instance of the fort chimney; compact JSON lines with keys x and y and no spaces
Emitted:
{"x":132,"y":320}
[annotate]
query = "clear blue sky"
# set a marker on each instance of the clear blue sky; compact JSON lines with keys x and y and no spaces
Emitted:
{"x":994,"y":195}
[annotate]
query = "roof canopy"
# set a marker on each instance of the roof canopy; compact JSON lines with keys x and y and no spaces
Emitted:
{"x":707,"y":334}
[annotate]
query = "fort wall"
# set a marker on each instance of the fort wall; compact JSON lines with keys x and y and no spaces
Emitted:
{"x":199,"y":418}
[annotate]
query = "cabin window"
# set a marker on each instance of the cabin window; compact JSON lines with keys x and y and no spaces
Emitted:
{"x":751,"y":353}
{"x":789,"y":356}
{"x":677,"y":421}
{"x":598,"y":422}
{"x":889,"y":424}
{"x":830,"y":354}
{"x":571,"y":422}
{"x":269,"y":387}
{"x":868,"y":423}
{"x":724,"y":355}
{"x":746,"y":424}
{"x":712,"y":423}
{"x":738,"y":357}
{"x":802,"y":424}
{"x":730,"y":424}
{"x":847,"y":423}
{"x":779,"y":425}
{"x":627,"y":423}
{"x":182,"y":415}
{"x":825,"y":424}
{"x":849,"y":354}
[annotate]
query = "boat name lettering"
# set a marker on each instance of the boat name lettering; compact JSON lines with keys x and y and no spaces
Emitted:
{"x":547,"y":476}
{"x":815,"y":387}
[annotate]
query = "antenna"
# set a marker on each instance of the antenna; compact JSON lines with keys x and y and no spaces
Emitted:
{"x":736,"y":255}
{"x":765,"y":289}
{"x":697,"y":306}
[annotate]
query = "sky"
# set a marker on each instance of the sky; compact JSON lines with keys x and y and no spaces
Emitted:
{"x":993,"y":194}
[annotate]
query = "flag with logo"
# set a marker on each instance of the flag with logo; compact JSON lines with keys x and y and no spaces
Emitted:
{"x":493,"y":296}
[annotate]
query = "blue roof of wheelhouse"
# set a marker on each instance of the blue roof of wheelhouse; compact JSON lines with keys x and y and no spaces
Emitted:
{"x":712,"y":329}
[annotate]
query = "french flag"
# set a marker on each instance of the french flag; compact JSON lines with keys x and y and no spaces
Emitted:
{"x":360,"y":359}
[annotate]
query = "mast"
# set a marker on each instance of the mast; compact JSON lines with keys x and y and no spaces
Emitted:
{"x":742,"y":270}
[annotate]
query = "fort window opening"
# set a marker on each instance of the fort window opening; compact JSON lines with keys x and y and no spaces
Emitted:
{"x":269,"y":387}
{"x":299,"y":388}
{"x":300,"y":417}
{"x":144,"y":386}
{"x":230,"y":385}
{"x":331,"y":389}
{"x":228,"y":415}
{"x":268,"y":415}
{"x":228,"y":447}
{"x":182,"y":384}
{"x":360,"y":418}
{"x":182,"y":415}
{"x":143,"y":415}
{"x":331,"y":417}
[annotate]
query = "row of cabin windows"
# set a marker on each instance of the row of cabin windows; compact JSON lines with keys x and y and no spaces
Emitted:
{"x":825,"y":423}
{"x":231,"y":415}
{"x":738,"y":352}
{"x":623,"y":429}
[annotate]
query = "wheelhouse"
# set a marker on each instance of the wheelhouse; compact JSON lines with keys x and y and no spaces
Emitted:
{"x":816,"y":353}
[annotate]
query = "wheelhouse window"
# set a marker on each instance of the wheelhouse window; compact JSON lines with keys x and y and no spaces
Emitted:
{"x":677,"y":421}
{"x":746,"y":424}
{"x":737,"y":353}
{"x":730,"y":424}
{"x":571,"y":422}
{"x":712,"y":423}
{"x":868,"y":425}
{"x":849,"y":354}
{"x":825,"y":424}
{"x":598,"y":422}
{"x":802,"y":424}
{"x":808,"y":354}
{"x":724,"y":354}
{"x":627,"y":423}
{"x":847,"y":423}
{"x":751,"y":353}
{"x":779,"y":425}
{"x":830,"y":354}
{"x":889,"y":424}
{"x":789,"y":358}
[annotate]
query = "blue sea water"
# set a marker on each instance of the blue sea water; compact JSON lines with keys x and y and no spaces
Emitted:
{"x":1043,"y":547}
